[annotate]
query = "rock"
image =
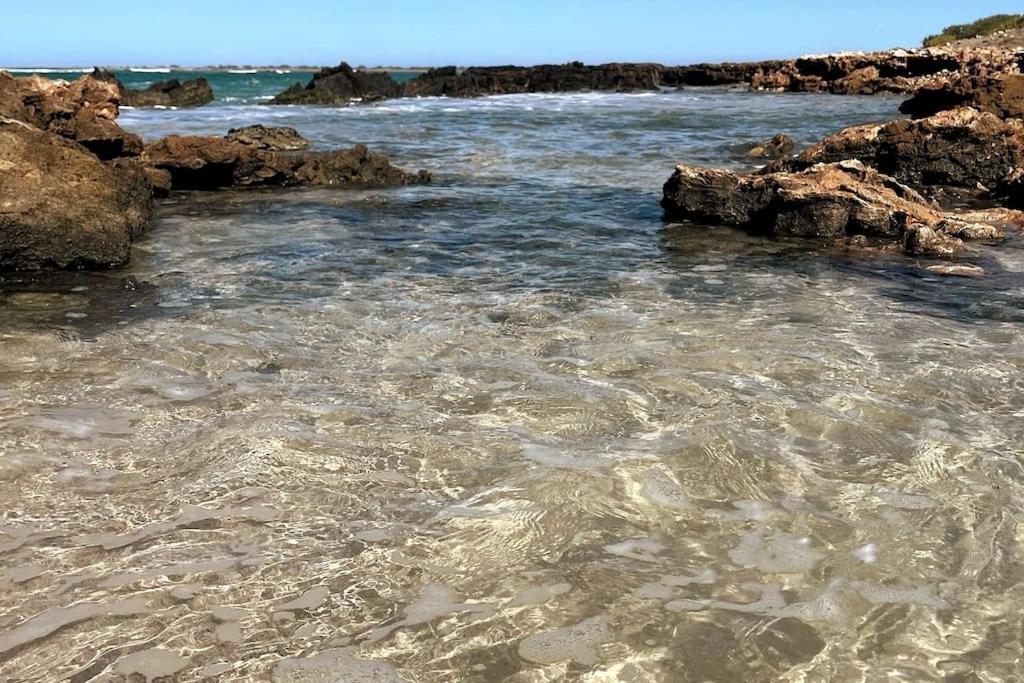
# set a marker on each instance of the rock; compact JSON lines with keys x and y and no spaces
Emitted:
{"x":825,"y":202}
{"x":546,"y":78}
{"x":960,"y":148}
{"x":341,"y":85}
{"x":171,"y":93}
{"x":159,"y":179}
{"x":207,"y":163}
{"x":83,"y":110}
{"x":956,"y":270}
{"x":774,"y":148}
{"x":276,"y":138}
{"x":1000,"y":95}
{"x":923,"y":240}
{"x":61,"y":207}
{"x":1010,"y":189}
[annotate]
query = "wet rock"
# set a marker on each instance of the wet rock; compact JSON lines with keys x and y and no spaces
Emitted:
{"x":83,"y":110}
{"x":341,"y":85}
{"x":774,"y":148}
{"x":956,"y":270}
{"x":61,"y":207}
{"x":208,"y":163}
{"x":960,"y":148}
{"x":999,"y":95}
{"x":825,"y":202}
{"x":274,"y":138}
{"x":504,"y":80}
{"x":170,"y":93}
{"x":923,"y":240}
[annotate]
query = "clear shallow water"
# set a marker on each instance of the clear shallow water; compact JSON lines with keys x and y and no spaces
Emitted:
{"x":510,"y":426}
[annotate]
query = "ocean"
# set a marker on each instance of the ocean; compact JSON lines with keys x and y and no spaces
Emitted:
{"x":510,"y":425}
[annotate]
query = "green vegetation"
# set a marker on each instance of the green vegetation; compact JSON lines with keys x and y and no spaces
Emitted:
{"x":981,"y":27}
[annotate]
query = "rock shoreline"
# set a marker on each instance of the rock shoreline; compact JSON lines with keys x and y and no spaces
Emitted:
{"x":76,"y":189}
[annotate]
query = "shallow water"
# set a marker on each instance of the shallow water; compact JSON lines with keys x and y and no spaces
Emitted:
{"x":510,"y":426}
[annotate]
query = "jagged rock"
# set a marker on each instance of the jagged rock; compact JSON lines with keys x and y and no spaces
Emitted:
{"x":275,"y":138}
{"x":999,"y":95}
{"x":61,"y":207}
{"x":170,"y":93}
{"x":924,"y":240}
{"x":774,"y":148}
{"x":83,"y":110}
{"x":825,"y":202}
{"x":505,"y":80}
{"x":207,"y":163}
{"x":341,"y":85}
{"x":960,"y":148}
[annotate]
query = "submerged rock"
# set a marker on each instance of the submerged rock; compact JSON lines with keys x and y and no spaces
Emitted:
{"x":208,"y":163}
{"x":1000,"y":95}
{"x":774,"y":148}
{"x":274,"y":138}
{"x":61,"y":207}
{"x":341,"y":85}
{"x":825,"y":202}
{"x":960,"y":148}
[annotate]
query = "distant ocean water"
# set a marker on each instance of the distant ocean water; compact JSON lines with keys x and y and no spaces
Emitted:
{"x":239,"y":86}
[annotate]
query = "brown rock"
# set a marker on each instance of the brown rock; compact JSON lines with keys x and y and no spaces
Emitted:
{"x":207,"y":163}
{"x":341,"y":85}
{"x":83,"y":110}
{"x":825,"y":202}
{"x":274,"y":138}
{"x":61,"y":207}
{"x":774,"y":148}
{"x":960,"y":148}
{"x":1001,"y":95}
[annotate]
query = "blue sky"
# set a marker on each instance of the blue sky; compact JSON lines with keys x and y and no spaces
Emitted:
{"x":423,"y":32}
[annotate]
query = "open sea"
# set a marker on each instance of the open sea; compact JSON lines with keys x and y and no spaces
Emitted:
{"x":510,"y":426}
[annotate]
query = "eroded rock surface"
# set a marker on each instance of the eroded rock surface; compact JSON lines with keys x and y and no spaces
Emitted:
{"x":546,"y":78}
{"x":959,"y":148}
{"x":825,"y":202}
{"x":208,"y":163}
{"x":273,"y":138}
{"x":61,"y":207}
{"x":999,"y":95}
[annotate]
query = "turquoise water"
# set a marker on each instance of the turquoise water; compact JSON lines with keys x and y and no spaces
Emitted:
{"x":228,"y":88}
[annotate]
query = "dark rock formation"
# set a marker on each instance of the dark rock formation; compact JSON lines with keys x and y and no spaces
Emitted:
{"x":171,"y":93}
{"x":208,"y":163}
{"x":960,"y":148}
{"x":1000,"y":95}
{"x":82,"y":110}
{"x":61,"y":206}
{"x":274,"y":138}
{"x":341,"y":85}
{"x":773,"y":148}
{"x":825,"y":202}
{"x":891,"y":71}
{"x":547,"y":78}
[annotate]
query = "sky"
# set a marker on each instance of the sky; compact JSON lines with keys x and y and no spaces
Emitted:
{"x":461,"y":32}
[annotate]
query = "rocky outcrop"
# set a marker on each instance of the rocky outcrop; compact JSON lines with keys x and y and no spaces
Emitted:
{"x":548,"y":78}
{"x":827,"y":202}
{"x":273,"y":138}
{"x":341,"y":85}
{"x":82,"y":110}
{"x":961,"y":148}
{"x":171,"y":93}
{"x":61,"y":207}
{"x":859,"y":73}
{"x":774,"y":148}
{"x":1000,"y":95}
{"x":209,"y":163}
